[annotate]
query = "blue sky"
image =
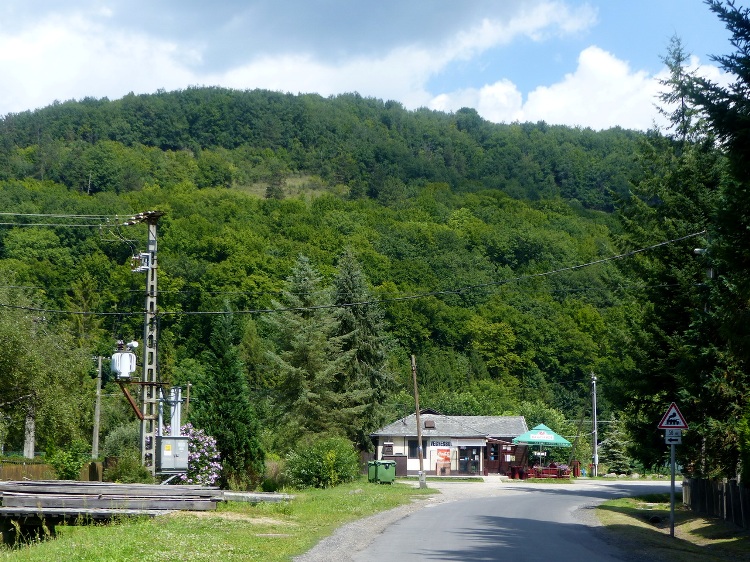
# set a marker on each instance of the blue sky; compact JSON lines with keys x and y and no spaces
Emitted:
{"x":590,"y":63}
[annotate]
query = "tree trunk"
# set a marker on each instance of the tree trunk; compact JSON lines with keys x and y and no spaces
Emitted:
{"x":29,"y":437}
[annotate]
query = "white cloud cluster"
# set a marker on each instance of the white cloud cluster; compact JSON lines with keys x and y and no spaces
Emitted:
{"x":60,"y":56}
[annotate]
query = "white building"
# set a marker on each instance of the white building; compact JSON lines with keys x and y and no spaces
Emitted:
{"x":462,"y":445}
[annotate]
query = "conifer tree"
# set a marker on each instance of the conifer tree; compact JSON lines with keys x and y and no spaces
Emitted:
{"x":676,"y":344}
{"x":614,"y":449}
{"x":727,"y":110}
{"x":307,"y":359}
{"x":361,"y":387}
{"x":224,"y":411}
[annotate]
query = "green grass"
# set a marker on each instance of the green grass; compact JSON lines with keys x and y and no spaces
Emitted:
{"x":236,"y":531}
{"x":642,"y":524}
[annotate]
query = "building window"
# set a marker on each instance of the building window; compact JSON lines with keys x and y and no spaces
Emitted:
{"x":413,"y":452}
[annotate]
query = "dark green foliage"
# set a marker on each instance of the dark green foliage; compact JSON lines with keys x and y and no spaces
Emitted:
{"x":122,"y":438}
{"x":613,"y":450}
{"x":224,"y":410}
{"x":307,"y":360}
{"x":127,"y":469}
{"x":365,"y":378}
{"x":67,"y":462}
{"x":222,"y":136}
{"x":322,"y":463}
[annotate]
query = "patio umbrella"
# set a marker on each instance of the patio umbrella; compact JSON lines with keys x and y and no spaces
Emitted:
{"x":542,"y":435}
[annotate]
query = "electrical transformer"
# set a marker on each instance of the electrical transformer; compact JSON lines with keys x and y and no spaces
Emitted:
{"x":171,"y":454}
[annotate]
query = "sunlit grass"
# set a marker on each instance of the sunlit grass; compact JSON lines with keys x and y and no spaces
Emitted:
{"x":236,"y":531}
{"x":643,"y":524}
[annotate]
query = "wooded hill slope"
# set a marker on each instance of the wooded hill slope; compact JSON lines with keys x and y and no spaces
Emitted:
{"x":344,"y":234}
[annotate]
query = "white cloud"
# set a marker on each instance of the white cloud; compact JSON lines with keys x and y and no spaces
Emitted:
{"x":601,"y":93}
{"x":58,"y":56}
{"x":60,"y":59}
{"x":500,"y":102}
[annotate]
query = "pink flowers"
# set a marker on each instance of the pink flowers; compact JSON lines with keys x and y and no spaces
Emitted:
{"x":203,"y":457}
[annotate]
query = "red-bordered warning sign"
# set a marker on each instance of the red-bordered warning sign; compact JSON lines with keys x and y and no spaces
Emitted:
{"x":673,"y":419}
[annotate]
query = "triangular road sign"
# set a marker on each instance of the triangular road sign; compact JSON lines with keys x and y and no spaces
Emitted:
{"x":673,"y":419}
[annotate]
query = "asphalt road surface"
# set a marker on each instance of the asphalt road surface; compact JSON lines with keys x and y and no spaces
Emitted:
{"x":510,"y":521}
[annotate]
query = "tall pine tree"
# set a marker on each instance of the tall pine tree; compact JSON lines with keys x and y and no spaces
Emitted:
{"x":223,"y":407}
{"x":362,"y":385}
{"x":727,"y":110}
{"x":306,"y":360}
{"x":675,"y":340}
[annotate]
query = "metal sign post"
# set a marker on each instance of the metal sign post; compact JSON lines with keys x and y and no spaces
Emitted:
{"x":673,"y":423}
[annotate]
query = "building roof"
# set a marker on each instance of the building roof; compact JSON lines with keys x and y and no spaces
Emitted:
{"x":466,"y":427}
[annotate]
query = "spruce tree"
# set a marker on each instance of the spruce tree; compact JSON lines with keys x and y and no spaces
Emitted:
{"x":361,"y":387}
{"x":614,"y":449}
{"x":223,"y":407}
{"x":727,"y":110}
{"x":306,"y":360}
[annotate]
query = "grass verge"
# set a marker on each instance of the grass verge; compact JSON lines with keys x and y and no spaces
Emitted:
{"x":642,"y":525}
{"x":236,"y":531}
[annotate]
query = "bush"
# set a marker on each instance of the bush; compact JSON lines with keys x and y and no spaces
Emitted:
{"x":274,"y":476}
{"x":123,"y":438}
{"x":128,"y":469}
{"x":203,"y":458}
{"x":67,"y":463}
{"x":327,"y":462}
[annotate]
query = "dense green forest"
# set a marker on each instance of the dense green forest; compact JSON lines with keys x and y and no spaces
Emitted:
{"x":336,"y":237}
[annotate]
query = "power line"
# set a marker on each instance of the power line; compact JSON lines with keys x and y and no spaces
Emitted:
{"x":416,"y":296}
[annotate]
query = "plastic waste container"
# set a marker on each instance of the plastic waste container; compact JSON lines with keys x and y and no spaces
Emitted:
{"x":372,"y":471}
{"x":386,"y":472}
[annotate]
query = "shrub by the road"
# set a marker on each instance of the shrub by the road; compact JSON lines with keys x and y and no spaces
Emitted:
{"x":323,"y":464}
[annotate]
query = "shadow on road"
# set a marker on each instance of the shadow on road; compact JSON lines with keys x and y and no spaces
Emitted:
{"x":599,"y":490}
{"x":503,"y":538}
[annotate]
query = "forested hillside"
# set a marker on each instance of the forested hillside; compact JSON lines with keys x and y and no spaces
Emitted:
{"x":213,"y":137}
{"x":338,"y":237}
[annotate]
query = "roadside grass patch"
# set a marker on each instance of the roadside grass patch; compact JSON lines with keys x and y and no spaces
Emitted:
{"x":642,"y":524}
{"x":236,"y":531}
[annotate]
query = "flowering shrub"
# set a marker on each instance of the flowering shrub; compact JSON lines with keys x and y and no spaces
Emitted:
{"x":203,"y":457}
{"x":325,"y":463}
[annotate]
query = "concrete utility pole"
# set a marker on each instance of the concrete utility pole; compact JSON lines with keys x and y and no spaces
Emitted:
{"x":595,"y":464}
{"x":422,"y":481}
{"x":97,"y":411}
{"x":151,"y":388}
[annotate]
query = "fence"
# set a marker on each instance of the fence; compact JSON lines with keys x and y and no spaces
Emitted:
{"x":718,"y":498}
{"x":17,"y":470}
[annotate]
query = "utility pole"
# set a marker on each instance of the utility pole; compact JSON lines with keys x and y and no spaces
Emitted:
{"x":422,"y":482}
{"x":595,"y":464}
{"x":151,"y":388}
{"x":97,"y":411}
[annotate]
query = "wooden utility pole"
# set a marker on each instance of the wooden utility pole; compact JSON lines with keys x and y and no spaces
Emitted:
{"x":422,"y":482}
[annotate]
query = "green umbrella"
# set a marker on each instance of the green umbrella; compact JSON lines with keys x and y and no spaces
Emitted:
{"x":542,"y":435}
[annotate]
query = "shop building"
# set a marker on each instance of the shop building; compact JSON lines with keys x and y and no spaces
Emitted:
{"x":453,"y":445}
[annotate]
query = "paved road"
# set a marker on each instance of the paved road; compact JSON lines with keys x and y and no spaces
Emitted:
{"x":472,"y":522}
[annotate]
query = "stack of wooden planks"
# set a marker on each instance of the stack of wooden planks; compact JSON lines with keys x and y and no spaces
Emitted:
{"x":35,"y":507}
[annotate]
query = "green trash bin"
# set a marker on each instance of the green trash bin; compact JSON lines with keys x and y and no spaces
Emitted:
{"x":386,"y":472}
{"x":372,"y":471}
